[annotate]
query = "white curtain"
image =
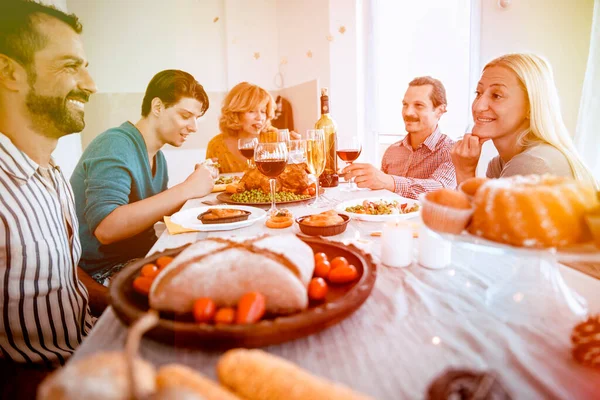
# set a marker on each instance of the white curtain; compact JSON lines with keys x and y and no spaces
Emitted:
{"x":587,"y":137}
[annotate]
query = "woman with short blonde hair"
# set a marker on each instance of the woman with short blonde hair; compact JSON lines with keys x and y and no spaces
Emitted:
{"x":518,"y":108}
{"x":247,"y":110}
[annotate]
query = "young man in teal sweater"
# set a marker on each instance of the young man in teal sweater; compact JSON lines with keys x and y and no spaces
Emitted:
{"x":120,"y":182}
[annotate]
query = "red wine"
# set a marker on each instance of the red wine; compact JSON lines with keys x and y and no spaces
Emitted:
{"x":247,"y":152}
{"x":348,"y":155}
{"x":271,"y":168}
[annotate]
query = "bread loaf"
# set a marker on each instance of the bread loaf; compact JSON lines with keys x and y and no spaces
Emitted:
{"x":280,"y":267}
{"x":257,"y":375}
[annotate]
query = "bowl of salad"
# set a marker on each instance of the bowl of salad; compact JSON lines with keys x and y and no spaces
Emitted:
{"x":380,"y":209}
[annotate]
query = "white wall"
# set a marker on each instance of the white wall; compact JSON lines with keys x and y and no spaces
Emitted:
{"x":344,"y":58}
{"x":302,"y":26}
{"x":60,"y":4}
{"x":127,"y":42}
{"x":251,"y":27}
{"x":313,"y":25}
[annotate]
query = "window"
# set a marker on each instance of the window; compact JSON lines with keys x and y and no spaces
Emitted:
{"x":409,"y":39}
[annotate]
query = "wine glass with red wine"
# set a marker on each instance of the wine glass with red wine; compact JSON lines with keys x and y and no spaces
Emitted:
{"x":349,"y":150}
{"x":246,"y":147}
{"x":271,"y":159}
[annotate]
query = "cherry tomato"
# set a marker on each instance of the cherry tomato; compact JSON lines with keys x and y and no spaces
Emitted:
{"x":163,"y":261}
{"x":142,"y":284}
{"x":317,"y":289}
{"x":321,"y":257}
{"x":343,"y":274}
{"x":225,"y":315}
{"x":251,"y":308}
{"x":149,"y":270}
{"x":204,"y":310}
{"x":322,"y":269}
{"x":339,"y":262}
{"x":312,"y":191}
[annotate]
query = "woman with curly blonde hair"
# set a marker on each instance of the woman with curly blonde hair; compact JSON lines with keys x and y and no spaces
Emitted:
{"x":247,"y":110}
{"x":518,"y":108}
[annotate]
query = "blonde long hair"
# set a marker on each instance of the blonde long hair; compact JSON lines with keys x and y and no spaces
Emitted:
{"x":546,"y":123}
{"x":242,"y":98}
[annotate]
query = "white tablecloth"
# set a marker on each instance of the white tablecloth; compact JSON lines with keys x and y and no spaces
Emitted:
{"x":416,"y":323}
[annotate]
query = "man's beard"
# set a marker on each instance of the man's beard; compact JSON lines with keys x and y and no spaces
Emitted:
{"x":54,"y":111}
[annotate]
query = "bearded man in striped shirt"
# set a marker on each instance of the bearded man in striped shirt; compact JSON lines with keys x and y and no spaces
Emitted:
{"x":44,"y":84}
{"x":421,"y":161}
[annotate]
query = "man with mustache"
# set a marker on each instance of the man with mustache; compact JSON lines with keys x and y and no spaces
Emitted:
{"x":44,"y":306}
{"x":120,"y":182}
{"x":421,"y":161}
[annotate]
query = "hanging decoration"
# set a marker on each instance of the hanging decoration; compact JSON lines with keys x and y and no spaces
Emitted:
{"x":256,"y":55}
{"x":309,"y":54}
{"x":342,"y":29}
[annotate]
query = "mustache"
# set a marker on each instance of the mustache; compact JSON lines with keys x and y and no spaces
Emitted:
{"x":411,"y":119}
{"x":80,"y":95}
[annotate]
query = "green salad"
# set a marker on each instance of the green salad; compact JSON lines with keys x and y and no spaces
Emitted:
{"x":383,"y":207}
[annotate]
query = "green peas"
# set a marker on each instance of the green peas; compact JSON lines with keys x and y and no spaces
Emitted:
{"x":258,"y":196}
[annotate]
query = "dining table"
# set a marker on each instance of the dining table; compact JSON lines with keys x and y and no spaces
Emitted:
{"x":416,"y":324}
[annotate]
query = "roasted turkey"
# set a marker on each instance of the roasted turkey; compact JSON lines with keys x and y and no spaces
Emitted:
{"x":294,"y":178}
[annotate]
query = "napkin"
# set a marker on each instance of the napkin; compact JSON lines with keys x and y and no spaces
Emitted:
{"x":175,"y":229}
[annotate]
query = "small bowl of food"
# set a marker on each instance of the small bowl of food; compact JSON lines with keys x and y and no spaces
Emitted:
{"x":328,"y":223}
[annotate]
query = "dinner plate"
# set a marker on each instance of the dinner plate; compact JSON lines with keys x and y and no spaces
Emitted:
{"x":341,"y":301}
{"x":189,"y":218}
{"x":226,"y":198}
{"x":341,"y":208}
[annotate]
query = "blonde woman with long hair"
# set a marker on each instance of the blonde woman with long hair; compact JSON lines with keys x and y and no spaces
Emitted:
{"x":247,"y":110}
{"x":517,"y":107}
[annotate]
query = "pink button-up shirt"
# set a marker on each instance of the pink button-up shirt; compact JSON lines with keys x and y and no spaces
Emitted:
{"x":425,"y":169}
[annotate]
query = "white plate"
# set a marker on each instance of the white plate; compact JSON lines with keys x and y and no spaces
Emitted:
{"x":341,"y":208}
{"x":189,"y":218}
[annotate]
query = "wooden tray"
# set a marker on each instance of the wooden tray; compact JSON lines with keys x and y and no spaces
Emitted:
{"x":226,"y":198}
{"x":341,"y":301}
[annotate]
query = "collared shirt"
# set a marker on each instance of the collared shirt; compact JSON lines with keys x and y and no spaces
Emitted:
{"x":44,"y":313}
{"x":425,"y":169}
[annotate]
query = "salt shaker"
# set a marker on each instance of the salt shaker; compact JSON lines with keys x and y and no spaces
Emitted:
{"x":397,"y":244}
{"x":434,"y":250}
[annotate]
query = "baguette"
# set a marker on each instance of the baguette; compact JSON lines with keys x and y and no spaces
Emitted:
{"x":257,"y":375}
{"x":179,"y":376}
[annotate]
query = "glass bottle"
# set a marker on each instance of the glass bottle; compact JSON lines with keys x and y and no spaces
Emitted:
{"x":329,"y":177}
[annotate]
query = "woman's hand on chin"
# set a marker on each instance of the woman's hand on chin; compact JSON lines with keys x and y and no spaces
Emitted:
{"x":465,"y":155}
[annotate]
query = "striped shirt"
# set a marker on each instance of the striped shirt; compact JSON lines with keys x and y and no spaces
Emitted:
{"x":44,"y":307}
{"x":425,"y":169}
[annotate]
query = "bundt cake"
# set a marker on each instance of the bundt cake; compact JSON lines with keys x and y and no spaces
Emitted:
{"x":533,"y":211}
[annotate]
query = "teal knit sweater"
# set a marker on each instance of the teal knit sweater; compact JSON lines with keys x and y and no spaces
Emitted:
{"x":113,"y":171}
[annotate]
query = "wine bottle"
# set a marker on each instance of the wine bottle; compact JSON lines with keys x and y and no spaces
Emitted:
{"x":329,"y":177}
